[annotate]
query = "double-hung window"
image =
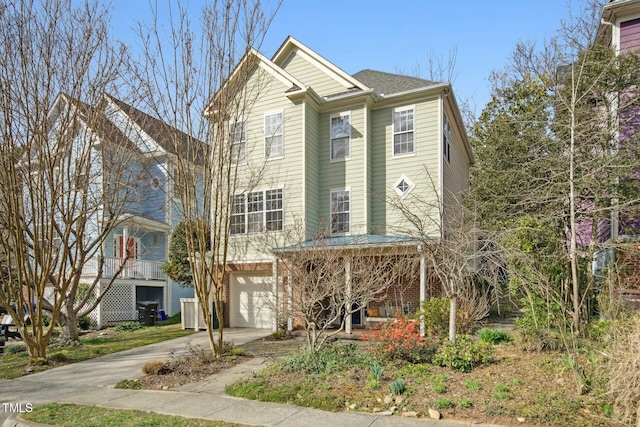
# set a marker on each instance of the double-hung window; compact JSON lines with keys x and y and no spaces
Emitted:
{"x":238,"y":132}
{"x":341,"y":136}
{"x":446,"y":139}
{"x":404,"y":131}
{"x":257,"y":211}
{"x":273,"y":135}
{"x":340,"y":211}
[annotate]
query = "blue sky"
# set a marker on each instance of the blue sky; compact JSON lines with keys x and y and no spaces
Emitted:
{"x":401,"y":36}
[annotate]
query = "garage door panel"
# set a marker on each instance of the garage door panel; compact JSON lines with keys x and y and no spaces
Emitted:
{"x":251,"y":304}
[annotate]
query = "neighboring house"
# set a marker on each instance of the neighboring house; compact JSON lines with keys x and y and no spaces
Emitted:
{"x":334,"y":147}
{"x":147,"y":217}
{"x":620,"y":26}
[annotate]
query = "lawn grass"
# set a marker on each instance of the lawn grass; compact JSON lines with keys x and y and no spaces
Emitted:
{"x":89,"y":416}
{"x":15,"y":365}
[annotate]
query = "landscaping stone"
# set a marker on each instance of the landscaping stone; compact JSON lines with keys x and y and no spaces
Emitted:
{"x":386,"y":413}
{"x":388,"y":399}
{"x":410,"y":414}
{"x":399,"y":400}
{"x":436,"y":415}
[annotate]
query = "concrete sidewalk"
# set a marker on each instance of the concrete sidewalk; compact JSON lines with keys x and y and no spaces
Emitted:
{"x":91,"y":383}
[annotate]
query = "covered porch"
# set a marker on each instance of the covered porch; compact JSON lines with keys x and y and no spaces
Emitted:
{"x":380,"y":278}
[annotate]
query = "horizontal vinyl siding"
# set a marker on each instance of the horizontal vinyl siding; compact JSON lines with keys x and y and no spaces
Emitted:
{"x":281,"y":172}
{"x":322,"y":83}
{"x":421,"y":168}
{"x":341,"y":174}
{"x":456,"y":172}
{"x":630,"y":35}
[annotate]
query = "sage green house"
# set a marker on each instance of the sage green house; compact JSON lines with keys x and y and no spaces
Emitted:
{"x":334,"y":149}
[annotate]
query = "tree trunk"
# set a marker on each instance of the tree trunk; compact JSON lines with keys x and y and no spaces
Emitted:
{"x":453,"y":311}
{"x":70,"y":331}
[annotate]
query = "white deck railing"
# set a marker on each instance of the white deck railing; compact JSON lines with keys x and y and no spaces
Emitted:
{"x":133,"y":269}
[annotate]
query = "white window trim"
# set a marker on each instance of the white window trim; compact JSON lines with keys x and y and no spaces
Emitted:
{"x":245,"y":124}
{"x":264,"y":211}
{"x":264,"y":120}
{"x":335,"y":190}
{"x":446,"y":132}
{"x":408,"y":181}
{"x":393,"y":133}
{"x":331,"y":117}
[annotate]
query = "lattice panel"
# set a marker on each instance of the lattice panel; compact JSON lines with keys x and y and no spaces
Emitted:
{"x":118,"y":304}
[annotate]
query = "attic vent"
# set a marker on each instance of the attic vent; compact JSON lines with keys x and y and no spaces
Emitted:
{"x":403,"y":186}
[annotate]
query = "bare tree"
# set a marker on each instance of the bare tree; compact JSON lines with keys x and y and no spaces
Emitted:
{"x":57,"y":205}
{"x":328,"y":282}
{"x":194,"y":71}
{"x":456,"y":250}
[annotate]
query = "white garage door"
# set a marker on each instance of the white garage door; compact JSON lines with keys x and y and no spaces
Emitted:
{"x":251,"y":305}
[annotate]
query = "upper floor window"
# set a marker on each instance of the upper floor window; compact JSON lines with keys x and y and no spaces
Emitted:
{"x":273,"y":135}
{"x":257,"y":211}
{"x":340,"y":211}
{"x":446,"y":138}
{"x":238,"y":132}
{"x":403,"y":131}
{"x":341,"y":136}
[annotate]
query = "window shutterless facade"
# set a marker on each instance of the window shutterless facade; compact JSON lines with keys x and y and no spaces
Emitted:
{"x":238,"y":132}
{"x":258,"y":211}
{"x":340,"y":211}
{"x":404,"y":131}
{"x":274,"y":135}
{"x":340,"y":136}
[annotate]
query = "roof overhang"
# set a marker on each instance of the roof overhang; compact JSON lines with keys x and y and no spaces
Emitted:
{"x":360,"y":242}
{"x":136,"y":220}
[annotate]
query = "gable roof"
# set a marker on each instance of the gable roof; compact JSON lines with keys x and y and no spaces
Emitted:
{"x":291,"y":44}
{"x":387,"y":84}
{"x":95,"y":120}
{"x":251,"y":59}
{"x":168,"y":138}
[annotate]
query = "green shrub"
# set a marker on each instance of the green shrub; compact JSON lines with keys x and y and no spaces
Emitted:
{"x":237,"y":351}
{"x":128,"y":326}
{"x":464,"y":354}
{"x":435,"y":315}
{"x":443,"y":403}
{"x":15,"y":349}
{"x":439,"y":387}
{"x":501,"y":392}
{"x":84,"y":322}
{"x":472,"y":385}
{"x":465,"y":403}
{"x":494,"y":336}
{"x":398,"y":387}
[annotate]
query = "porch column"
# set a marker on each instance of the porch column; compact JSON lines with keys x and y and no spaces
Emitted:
{"x":289,"y":300}
{"x":423,"y":285}
{"x":276,"y":296}
{"x":347,"y":309}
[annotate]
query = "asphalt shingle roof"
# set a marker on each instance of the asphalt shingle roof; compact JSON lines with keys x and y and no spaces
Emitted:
{"x":345,"y":242}
{"x":169,"y":138}
{"x":386,"y":83}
